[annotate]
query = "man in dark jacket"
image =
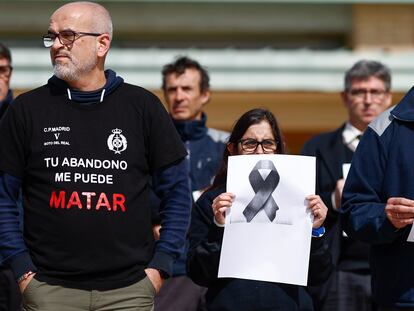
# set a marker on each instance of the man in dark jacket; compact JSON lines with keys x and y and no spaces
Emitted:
{"x":366,"y":95}
{"x":186,"y":90}
{"x":378,"y":206}
{"x":9,"y":293}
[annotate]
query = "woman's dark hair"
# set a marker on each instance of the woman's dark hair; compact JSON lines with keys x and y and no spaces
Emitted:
{"x":251,"y":117}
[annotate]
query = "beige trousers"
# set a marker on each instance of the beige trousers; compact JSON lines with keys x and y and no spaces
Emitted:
{"x":40,"y":296}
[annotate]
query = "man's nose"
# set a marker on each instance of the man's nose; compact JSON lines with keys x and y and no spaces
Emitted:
{"x":180,"y":94}
{"x":56,"y":43}
{"x":368,"y":97}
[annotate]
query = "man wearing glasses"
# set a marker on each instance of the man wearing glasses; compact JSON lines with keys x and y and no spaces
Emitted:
{"x":366,"y":95}
{"x":83,"y":148}
{"x":378,"y":206}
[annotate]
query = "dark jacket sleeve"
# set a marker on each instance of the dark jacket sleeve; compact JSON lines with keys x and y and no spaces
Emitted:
{"x":325,"y":183}
{"x":172,"y":187}
{"x":320,"y":262}
{"x":363,"y":201}
{"x":205,"y":241}
{"x":13,"y":249}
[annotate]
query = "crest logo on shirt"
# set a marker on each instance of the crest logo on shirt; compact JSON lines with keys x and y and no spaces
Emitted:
{"x":117,"y":142}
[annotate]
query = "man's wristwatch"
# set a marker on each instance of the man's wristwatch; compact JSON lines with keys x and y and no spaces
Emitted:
{"x":25,"y":276}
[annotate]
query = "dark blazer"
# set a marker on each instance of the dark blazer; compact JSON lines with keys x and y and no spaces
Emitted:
{"x":347,"y":254}
{"x":330,"y":153}
{"x":3,"y":108}
{"x":6,"y":102}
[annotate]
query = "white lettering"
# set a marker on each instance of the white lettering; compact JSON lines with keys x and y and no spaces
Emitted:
{"x":59,"y":177}
{"x":73,"y":162}
{"x":56,"y":129}
{"x":81,"y":163}
{"x":54,"y":162}
{"x":93,"y":178}
{"x":65,"y":162}
{"x":86,"y":163}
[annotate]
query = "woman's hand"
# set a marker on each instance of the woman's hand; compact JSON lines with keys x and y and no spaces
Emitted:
{"x":220,"y":204}
{"x":318,"y":208}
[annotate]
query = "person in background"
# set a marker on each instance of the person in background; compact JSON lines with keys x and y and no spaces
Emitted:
{"x":256,"y":132}
{"x":366,"y":95}
{"x":378,"y":206}
{"x":186,"y":88}
{"x":6,"y":94}
{"x":9,"y":293}
{"x":83,"y":149}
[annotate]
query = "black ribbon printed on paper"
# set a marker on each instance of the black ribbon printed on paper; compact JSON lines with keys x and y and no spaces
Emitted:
{"x":263,"y":189}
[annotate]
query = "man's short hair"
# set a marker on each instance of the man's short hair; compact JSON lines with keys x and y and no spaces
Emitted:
{"x":180,"y":65}
{"x":365,"y":69}
{"x":5,"y":53}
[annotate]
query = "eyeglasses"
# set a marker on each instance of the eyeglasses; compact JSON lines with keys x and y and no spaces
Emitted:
{"x":5,"y":71}
{"x":250,"y":145}
{"x":66,"y":37}
{"x":362,"y":93}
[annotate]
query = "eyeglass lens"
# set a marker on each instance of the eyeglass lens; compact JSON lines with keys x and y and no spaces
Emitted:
{"x":65,"y":38}
{"x":250,"y":145}
{"x":362,"y":93}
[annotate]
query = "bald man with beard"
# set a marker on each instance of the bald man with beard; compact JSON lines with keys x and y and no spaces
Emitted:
{"x":83,"y":148}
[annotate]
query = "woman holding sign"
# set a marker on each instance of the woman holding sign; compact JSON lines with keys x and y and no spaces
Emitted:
{"x":256,"y":132}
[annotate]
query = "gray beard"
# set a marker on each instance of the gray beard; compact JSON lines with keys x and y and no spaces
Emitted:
{"x":73,"y":71}
{"x":65,"y":73}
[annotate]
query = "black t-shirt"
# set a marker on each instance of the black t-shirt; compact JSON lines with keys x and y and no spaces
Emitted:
{"x":85,"y":173}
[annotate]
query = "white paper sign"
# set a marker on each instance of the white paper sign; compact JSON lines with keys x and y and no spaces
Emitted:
{"x":259,"y":248}
{"x":345,"y":169}
{"x":411,"y":235}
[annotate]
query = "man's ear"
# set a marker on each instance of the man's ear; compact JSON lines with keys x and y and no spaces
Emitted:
{"x":205,"y":97}
{"x":388,"y":99}
{"x":103,"y":45}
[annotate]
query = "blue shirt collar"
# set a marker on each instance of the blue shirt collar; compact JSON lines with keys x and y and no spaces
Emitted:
{"x":193,"y":129}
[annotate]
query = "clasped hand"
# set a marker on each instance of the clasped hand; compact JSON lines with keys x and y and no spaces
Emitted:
{"x":400,"y":212}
